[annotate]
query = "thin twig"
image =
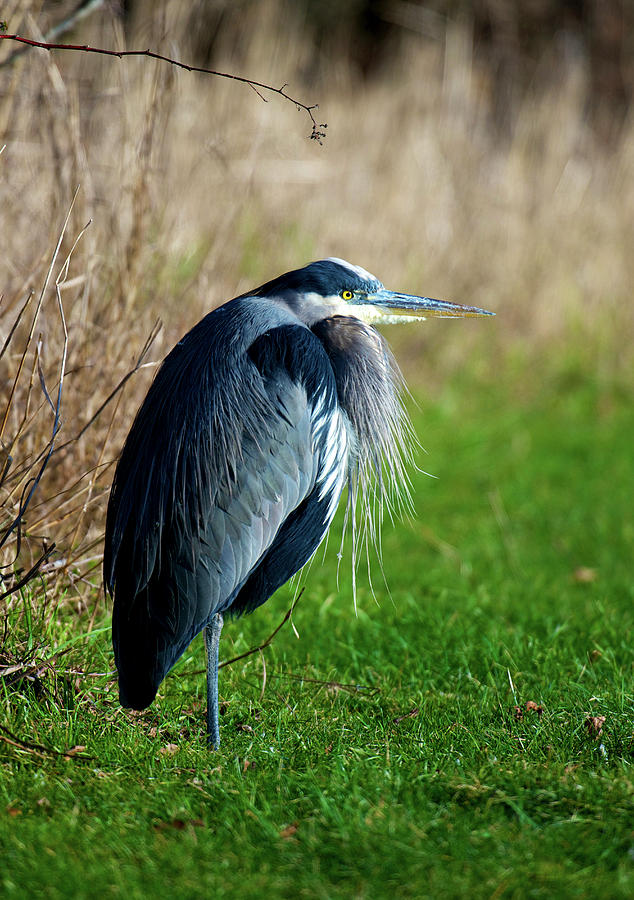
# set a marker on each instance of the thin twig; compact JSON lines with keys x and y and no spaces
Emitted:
{"x":263,"y":645}
{"x":269,"y":640}
{"x":263,"y":676}
{"x":39,"y":749}
{"x":32,"y":484}
{"x":15,"y":324}
{"x":30,"y":574}
{"x":139,"y":364}
{"x":83,"y":9}
{"x":34,"y":667}
{"x":336,"y":685}
{"x":317,"y":133}
{"x":410,"y":715}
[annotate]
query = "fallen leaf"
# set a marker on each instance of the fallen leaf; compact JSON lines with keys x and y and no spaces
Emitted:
{"x":595,"y":724}
{"x":13,"y":812}
{"x":242,"y":727}
{"x":169,"y":749}
{"x":517,"y":713}
{"x":180,"y":824}
{"x":584,"y":575}
{"x":78,"y":748}
{"x":290,"y":830}
{"x":375,"y":813}
{"x":534,"y":707}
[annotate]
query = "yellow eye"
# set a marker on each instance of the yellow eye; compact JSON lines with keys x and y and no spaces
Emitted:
{"x":347,"y":295}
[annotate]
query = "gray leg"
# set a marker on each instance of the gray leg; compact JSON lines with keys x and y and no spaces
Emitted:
{"x":212,"y":639}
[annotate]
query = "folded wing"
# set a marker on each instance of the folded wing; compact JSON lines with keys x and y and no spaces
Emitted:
{"x":226,"y":486}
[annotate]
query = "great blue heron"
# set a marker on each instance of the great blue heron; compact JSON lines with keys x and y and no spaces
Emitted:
{"x":234,"y":466}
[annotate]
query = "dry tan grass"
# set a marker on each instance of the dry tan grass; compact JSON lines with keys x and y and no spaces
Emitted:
{"x":196,"y":189}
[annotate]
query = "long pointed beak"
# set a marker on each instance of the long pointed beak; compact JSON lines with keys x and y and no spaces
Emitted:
{"x":421,"y":307}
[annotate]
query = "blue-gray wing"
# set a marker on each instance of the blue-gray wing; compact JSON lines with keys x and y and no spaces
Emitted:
{"x":226,"y":486}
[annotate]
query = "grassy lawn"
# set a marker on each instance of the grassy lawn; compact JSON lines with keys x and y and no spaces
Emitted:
{"x":391,"y":754}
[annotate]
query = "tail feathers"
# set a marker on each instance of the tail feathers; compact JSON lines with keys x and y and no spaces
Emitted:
{"x":139,"y":654}
{"x":138,"y":678}
{"x":136,"y":694}
{"x":148,"y":638}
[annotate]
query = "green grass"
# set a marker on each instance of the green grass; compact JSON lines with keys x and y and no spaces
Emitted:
{"x":421,"y":780}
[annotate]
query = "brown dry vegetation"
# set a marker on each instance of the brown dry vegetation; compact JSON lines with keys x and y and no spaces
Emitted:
{"x":195,"y":190}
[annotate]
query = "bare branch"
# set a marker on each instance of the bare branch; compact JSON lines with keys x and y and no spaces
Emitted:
{"x":318,"y":129}
{"x":83,"y":9}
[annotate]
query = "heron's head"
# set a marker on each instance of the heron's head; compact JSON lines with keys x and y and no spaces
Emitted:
{"x":334,"y":287}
